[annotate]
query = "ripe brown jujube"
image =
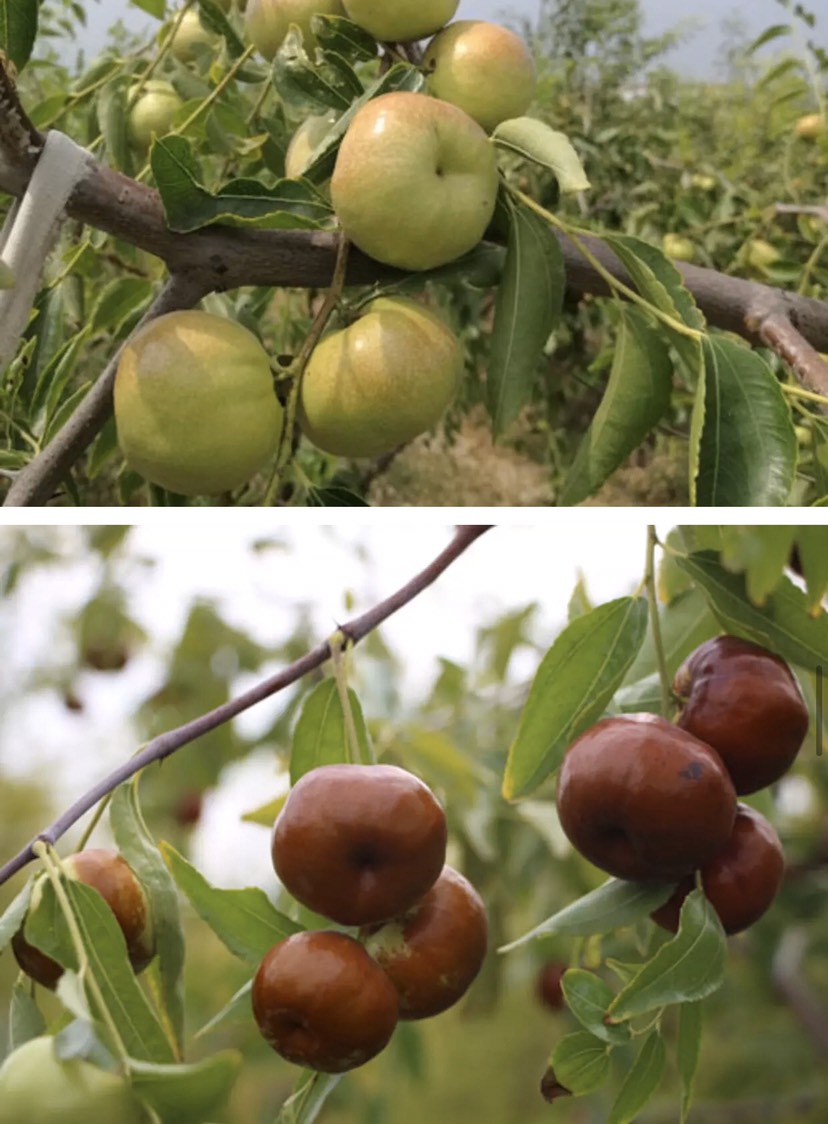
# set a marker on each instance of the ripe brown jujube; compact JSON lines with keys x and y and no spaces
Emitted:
{"x":644,"y":800}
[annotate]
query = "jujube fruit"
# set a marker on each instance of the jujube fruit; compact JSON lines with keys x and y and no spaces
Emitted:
{"x":548,"y":986}
{"x":743,"y":701}
{"x":109,"y":873}
{"x":153,"y":111}
{"x":644,"y":800}
{"x":741,"y":881}
{"x":267,"y":22}
{"x":401,"y":21}
{"x":321,"y":1001}
{"x":359,"y":843}
{"x":433,"y":953}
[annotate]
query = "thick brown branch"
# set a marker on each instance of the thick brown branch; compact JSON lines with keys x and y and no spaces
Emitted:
{"x":166,"y":744}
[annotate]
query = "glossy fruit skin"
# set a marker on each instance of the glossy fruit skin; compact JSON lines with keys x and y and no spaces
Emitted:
{"x":153,"y":112}
{"x":195,"y":407}
{"x":380,"y":382}
{"x":434,"y":952}
{"x":110,"y":874}
{"x":743,"y":879}
{"x":308,"y":136}
{"x":37,"y":1088}
{"x":431,"y":154}
{"x":321,"y":1001}
{"x":485,"y":69}
{"x":190,"y":37}
{"x":267,"y":22}
{"x":679,"y":247}
{"x":359,"y":843}
{"x":744,"y":702}
{"x":644,"y":800}
{"x":548,"y":985}
{"x":403,"y":20}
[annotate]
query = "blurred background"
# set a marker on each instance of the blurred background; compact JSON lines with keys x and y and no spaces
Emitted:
{"x":114,"y":634}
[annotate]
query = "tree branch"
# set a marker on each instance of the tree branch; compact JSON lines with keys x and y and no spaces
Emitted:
{"x":795,"y":990}
{"x":168,"y":743}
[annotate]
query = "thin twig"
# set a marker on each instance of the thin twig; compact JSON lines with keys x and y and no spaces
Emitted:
{"x":168,"y":743}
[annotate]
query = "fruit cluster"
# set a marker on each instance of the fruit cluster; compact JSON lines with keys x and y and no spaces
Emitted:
{"x":365,"y":845}
{"x":648,"y":800}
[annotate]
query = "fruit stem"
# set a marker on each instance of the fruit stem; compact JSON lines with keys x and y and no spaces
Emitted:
{"x":655,"y":623}
{"x":54,"y":868}
{"x":338,"y":643}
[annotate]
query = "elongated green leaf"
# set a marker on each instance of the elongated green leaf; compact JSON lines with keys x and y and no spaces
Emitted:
{"x":245,"y":921}
{"x":18,"y":29}
{"x":575,"y":681}
{"x":320,"y":736}
{"x":744,"y":438}
{"x":691,"y":966}
{"x":138,"y":847}
{"x":688,"y":1051}
{"x":636,"y":398}
{"x":312,"y":1090}
{"x":536,"y":141}
{"x":813,"y":555}
{"x":611,"y":906}
{"x":14,"y":913}
{"x":588,"y":998}
{"x":25,"y":1018}
{"x":188,"y":1094}
{"x":579,"y":1064}
{"x":767,"y":36}
{"x":528,"y":306}
{"x":784,"y":623}
{"x":761,"y":553}
{"x":641,"y":1081}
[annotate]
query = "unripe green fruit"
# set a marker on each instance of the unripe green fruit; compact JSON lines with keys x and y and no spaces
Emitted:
{"x":37,"y":1088}
{"x":760,"y":254}
{"x":267,"y":22}
{"x":153,"y":112}
{"x":403,"y":20}
{"x":195,"y":407}
{"x":811,"y":126}
{"x":677,"y":246}
{"x":304,"y":141}
{"x":483,"y":68}
{"x":380,"y":382}
{"x":190,"y":37}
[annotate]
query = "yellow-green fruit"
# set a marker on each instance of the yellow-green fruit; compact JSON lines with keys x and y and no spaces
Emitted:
{"x":37,"y":1088}
{"x":267,"y":22}
{"x":761,"y":254}
{"x":415,"y":181}
{"x":402,"y":20}
{"x":382,"y":381}
{"x":677,"y":246}
{"x":153,"y":112}
{"x":703,"y":182}
{"x":811,"y":126}
{"x":304,"y":141}
{"x":483,"y":68}
{"x":190,"y":37}
{"x":195,"y":407}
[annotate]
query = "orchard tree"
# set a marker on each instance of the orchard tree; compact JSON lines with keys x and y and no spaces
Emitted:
{"x":392,"y":222}
{"x":586,"y":848}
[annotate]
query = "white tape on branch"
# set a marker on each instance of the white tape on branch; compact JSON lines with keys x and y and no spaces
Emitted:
{"x":30,"y":232}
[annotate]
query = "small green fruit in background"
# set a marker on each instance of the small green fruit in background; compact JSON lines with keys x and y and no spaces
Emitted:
{"x":195,"y":407}
{"x":415,"y":181}
{"x":304,"y":141}
{"x":677,"y":246}
{"x":402,"y":21}
{"x":485,"y":69}
{"x":153,"y":113}
{"x":760,"y":254}
{"x":267,"y":22}
{"x":703,"y":182}
{"x":190,"y":37}
{"x":37,"y":1088}
{"x":380,"y":382}
{"x":811,"y":126}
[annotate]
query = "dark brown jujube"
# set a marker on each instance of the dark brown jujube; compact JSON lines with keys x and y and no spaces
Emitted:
{"x":644,"y":800}
{"x":321,"y":1001}
{"x":359,"y":843}
{"x":433,"y":953}
{"x":744,"y":702}
{"x":741,"y":881}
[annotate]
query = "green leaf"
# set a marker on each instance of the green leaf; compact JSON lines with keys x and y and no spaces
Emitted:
{"x":118,"y":301}
{"x":588,"y":998}
{"x":528,"y":306}
{"x":290,"y":204}
{"x":580,"y":1064}
{"x":688,"y":1050}
{"x":575,"y":681}
{"x":14,"y":913}
{"x":312,"y":1090}
{"x":187,"y":1094}
{"x":761,"y":553}
{"x":767,"y":36}
{"x":320,"y":736}
{"x":25,"y":1019}
{"x":813,"y":555}
{"x":18,"y":30}
{"x":691,"y":966}
{"x":138,"y":847}
{"x":635,"y":400}
{"x":641,"y":1082}
{"x":784,"y":623}
{"x":536,"y":141}
{"x":613,"y":905}
{"x":244,"y":921}
{"x":744,"y":439}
